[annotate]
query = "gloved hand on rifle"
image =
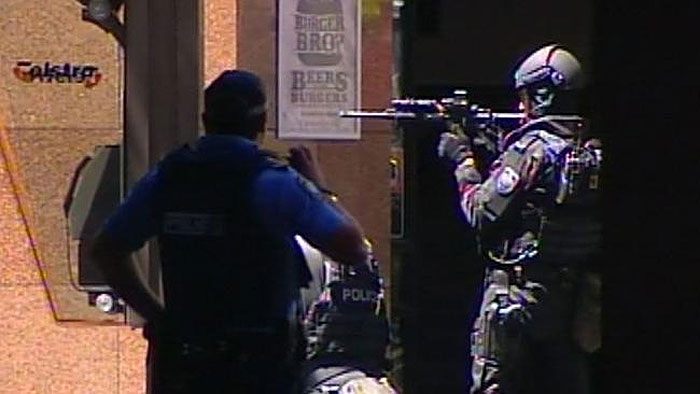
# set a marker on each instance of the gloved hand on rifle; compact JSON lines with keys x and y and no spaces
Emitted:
{"x":454,"y":147}
{"x":458,"y":149}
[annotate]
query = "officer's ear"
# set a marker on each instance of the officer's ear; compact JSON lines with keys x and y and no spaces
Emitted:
{"x":256,"y":123}
{"x":525,"y":100}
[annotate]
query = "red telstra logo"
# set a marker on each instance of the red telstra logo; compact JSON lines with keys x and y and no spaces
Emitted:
{"x":26,"y":71}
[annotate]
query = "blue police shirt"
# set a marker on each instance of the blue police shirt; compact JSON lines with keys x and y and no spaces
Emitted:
{"x":285,"y":201}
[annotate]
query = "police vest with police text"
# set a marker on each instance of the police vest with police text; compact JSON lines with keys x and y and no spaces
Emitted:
{"x":351,"y":322}
{"x":222,"y":271}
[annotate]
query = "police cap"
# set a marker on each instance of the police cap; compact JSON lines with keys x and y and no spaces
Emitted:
{"x":234,"y":95}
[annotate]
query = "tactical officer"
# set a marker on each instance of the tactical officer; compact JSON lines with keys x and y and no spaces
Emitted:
{"x":538,"y":230}
{"x":348,"y":333}
{"x":225,"y":214}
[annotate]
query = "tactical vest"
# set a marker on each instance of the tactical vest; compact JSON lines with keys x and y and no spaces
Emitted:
{"x":557,"y":220}
{"x":348,"y":322}
{"x":223,"y":273}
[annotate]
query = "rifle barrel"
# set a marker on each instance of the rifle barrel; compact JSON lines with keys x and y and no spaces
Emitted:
{"x":395,"y":115}
{"x":377,"y":114}
{"x":499,"y":115}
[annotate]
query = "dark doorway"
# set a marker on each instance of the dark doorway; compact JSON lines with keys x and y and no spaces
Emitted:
{"x":448,"y":45}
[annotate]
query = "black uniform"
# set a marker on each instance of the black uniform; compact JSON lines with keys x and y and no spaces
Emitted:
{"x":348,"y":336}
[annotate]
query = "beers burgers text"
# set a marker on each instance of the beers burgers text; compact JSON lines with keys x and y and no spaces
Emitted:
{"x":48,"y":72}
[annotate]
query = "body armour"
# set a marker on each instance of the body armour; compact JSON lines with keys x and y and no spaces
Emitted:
{"x":556,"y":219}
{"x":223,"y":273}
{"x":348,"y":324}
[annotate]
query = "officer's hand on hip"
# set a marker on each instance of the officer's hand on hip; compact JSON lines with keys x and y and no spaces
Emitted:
{"x":454,"y":147}
{"x":300,"y":159}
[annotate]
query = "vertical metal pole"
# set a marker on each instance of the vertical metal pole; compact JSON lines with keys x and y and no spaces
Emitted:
{"x":136,"y":111}
{"x":163,"y":75}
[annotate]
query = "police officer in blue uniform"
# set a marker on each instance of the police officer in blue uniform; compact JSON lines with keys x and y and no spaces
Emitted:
{"x":538,"y":230}
{"x":225,"y":213}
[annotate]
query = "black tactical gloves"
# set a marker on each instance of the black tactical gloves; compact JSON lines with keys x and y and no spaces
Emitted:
{"x":454,"y":147}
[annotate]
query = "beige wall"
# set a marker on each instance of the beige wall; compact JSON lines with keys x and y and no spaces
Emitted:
{"x":219,"y":37}
{"x":45,"y":129}
{"x":51,"y":126}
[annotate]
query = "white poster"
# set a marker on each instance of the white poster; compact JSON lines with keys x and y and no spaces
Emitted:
{"x":318,"y":68}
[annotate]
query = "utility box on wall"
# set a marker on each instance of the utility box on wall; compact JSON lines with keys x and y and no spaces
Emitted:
{"x":94,"y":194}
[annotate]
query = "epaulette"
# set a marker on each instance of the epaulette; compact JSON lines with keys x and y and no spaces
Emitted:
{"x":305,"y":183}
{"x":273,"y":160}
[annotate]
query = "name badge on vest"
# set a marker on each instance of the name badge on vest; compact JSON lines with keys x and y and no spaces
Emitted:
{"x":507,"y":181}
{"x":193,"y":224}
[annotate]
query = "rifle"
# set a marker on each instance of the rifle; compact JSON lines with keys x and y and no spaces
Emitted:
{"x":486,"y":129}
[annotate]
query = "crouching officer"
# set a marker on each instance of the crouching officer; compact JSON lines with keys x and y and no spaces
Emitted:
{"x":348,"y":334}
{"x":536,"y":216}
{"x":225,"y":214}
